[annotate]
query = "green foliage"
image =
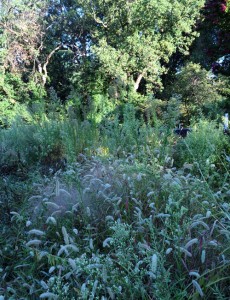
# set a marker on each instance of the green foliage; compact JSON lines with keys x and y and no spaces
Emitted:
{"x":203,"y":147}
{"x":198,"y":92}
{"x":140,"y":36}
{"x":107,"y":51}
{"x":224,"y":91}
{"x":48,"y":142}
{"x":99,"y":199}
{"x":114,"y":48}
{"x":18,"y":99}
{"x":158,"y":227}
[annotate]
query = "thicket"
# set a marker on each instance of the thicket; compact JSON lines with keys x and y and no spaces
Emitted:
{"x":99,"y":198}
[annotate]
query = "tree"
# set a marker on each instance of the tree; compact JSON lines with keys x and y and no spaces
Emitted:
{"x":214,"y":33}
{"x":100,"y":47}
{"x":199,"y":93}
{"x":21,"y":32}
{"x":21,"y":36}
{"x":27,"y":33}
{"x":134,"y":40}
{"x":217,"y":22}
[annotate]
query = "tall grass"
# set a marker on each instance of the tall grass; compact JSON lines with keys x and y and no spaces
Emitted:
{"x":133,"y":215}
{"x":47,"y":141}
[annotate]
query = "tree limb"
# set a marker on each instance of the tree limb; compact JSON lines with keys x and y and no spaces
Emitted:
{"x":44,"y":68}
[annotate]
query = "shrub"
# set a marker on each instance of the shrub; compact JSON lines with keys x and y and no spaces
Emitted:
{"x":203,"y":146}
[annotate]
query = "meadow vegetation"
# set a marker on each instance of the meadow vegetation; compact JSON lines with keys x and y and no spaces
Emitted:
{"x":123,"y":211}
{"x":99,"y":198}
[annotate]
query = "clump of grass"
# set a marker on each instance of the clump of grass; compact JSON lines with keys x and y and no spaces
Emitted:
{"x":49,"y":143}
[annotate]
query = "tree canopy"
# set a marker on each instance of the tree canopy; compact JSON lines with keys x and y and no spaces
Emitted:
{"x":102,"y":49}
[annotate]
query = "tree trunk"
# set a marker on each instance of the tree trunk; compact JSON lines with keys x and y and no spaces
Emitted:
{"x":137,"y":82}
{"x":45,"y":73}
{"x":42,"y":69}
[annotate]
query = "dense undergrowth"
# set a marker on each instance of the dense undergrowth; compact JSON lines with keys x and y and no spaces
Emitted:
{"x":114,"y":211}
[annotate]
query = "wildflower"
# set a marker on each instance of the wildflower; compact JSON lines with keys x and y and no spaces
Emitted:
{"x":161,"y":215}
{"x":154,"y":263}
{"x":75,"y":231}
{"x":107,"y":241}
{"x":44,"y":285}
{"x":198,"y":288}
{"x":168,"y":251}
{"x":190,"y":243}
{"x":203,"y":254}
{"x":65,"y":235}
{"x":51,"y":269}
{"x":51,"y":220}
{"x":213,"y":243}
{"x":186,"y":252}
{"x":194,"y":224}
{"x":48,"y":295}
{"x":208,"y":214}
{"x":33,"y":243}
{"x":52,"y":205}
{"x":72,"y":264}
{"x":193,"y":273}
{"x":28,"y":223}
{"x":150,"y":194}
{"x":91,"y":244}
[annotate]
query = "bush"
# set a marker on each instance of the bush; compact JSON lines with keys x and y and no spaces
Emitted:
{"x":199,"y":93}
{"x":204,"y":146}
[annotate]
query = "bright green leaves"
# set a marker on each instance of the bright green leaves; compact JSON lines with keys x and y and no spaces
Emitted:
{"x":133,"y":38}
{"x":127,"y":41}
